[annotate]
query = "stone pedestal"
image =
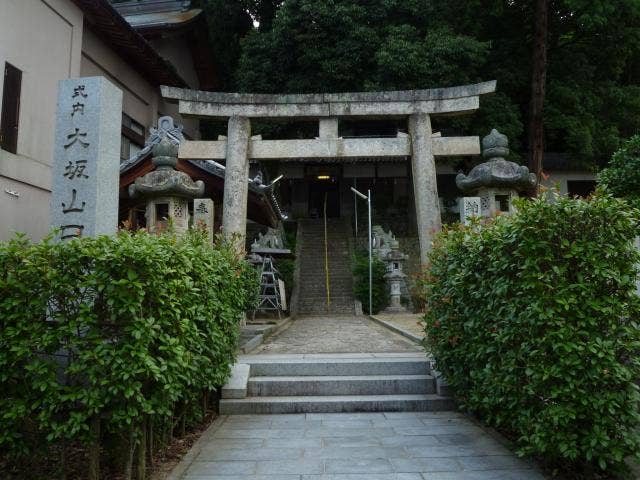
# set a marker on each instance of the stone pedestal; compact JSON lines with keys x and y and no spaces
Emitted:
{"x":86,"y":164}
{"x":395,"y":277}
{"x":203,"y":214}
{"x":424,"y":183}
{"x":234,"y":211}
{"x":469,"y":207}
{"x":395,"y":281}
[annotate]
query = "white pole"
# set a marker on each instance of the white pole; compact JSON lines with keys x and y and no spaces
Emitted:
{"x":368,"y":199}
{"x":370,"y":260}
{"x":355,"y":204}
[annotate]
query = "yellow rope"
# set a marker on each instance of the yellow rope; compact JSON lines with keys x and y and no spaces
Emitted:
{"x":326,"y":254}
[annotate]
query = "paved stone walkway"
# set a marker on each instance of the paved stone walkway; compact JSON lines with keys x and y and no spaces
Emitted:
{"x":409,"y":322}
{"x":347,"y":446}
{"x":334,"y":334}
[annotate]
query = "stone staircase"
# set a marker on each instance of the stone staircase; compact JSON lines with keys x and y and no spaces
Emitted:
{"x":262,"y":384}
{"x":312,"y":297}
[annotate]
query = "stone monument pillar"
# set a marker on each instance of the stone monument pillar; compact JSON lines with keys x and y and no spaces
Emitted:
{"x":425,"y":187}
{"x":470,"y":207}
{"x":203,"y":215}
{"x":496,"y":181}
{"x":166,"y":189}
{"x":236,"y":187}
{"x":86,"y":164}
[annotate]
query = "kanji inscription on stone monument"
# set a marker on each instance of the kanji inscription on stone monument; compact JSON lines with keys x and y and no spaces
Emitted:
{"x":203,"y":215}
{"x":84,"y":198}
{"x":470,"y":207}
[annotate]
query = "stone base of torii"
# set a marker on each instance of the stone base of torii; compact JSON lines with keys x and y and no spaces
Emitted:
{"x":421,"y":145}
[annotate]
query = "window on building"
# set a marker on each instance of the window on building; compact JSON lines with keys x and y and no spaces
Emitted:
{"x":10,"y":108}
{"x":132,"y":137}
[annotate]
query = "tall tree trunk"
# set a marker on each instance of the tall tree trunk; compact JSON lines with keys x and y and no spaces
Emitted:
{"x":142,"y":451}
{"x":128,"y":466}
{"x":150,"y":440}
{"x":94,"y":448}
{"x":538,"y":84}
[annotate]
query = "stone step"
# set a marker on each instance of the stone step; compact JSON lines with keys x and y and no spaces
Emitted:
{"x":341,"y":385}
{"x":321,"y":302}
{"x":320,"y":308}
{"x":320,"y":292}
{"x":312,"y":288}
{"x":310,"y":272}
{"x":264,"y":366}
{"x":310,"y":312}
{"x":337,"y":403}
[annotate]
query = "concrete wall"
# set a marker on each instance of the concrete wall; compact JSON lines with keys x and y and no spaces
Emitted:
{"x":561,"y":179}
{"x":43,"y":39}
{"x":47,"y":41}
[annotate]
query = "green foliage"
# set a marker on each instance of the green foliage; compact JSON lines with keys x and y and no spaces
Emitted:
{"x":622,"y":177}
{"x":533,"y":319}
{"x":383,"y":45}
{"x":119,"y":327}
{"x":228,"y":21}
{"x":379,"y":295}
{"x":593,"y":79}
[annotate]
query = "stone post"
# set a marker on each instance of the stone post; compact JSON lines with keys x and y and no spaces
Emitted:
{"x":236,"y":186}
{"x":328,"y":128}
{"x":470,"y":207}
{"x":203,"y":215}
{"x":425,"y":187}
{"x":86,"y":164}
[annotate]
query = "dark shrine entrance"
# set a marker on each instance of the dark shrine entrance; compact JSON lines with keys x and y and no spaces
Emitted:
{"x":324,"y":183}
{"x":319,"y":188}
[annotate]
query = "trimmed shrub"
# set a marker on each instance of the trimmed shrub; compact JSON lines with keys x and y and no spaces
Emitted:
{"x":621,"y":178}
{"x":379,"y":294}
{"x":112,"y":330}
{"x":533,"y":320}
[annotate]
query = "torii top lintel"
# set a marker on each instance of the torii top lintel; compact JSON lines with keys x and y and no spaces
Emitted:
{"x":435,"y":101}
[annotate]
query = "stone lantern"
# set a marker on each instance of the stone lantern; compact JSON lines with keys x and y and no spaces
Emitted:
{"x":166,"y":190}
{"x":395,"y":277}
{"x":491,"y":186}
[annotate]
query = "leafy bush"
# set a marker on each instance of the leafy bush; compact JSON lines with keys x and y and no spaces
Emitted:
{"x":533,"y":320}
{"x":379,"y":295}
{"x":113,"y":330}
{"x":622,"y":177}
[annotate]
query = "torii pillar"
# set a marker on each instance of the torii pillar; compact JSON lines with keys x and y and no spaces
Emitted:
{"x":236,"y":189}
{"x":425,"y":188}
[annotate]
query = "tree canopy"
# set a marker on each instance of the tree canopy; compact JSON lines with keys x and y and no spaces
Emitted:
{"x":593,"y":76}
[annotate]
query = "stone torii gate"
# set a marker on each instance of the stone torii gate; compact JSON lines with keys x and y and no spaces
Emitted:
{"x":239,"y":146}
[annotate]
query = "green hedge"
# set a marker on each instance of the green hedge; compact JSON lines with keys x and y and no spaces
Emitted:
{"x":533,"y":320}
{"x":621,"y":178}
{"x":110,"y":331}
